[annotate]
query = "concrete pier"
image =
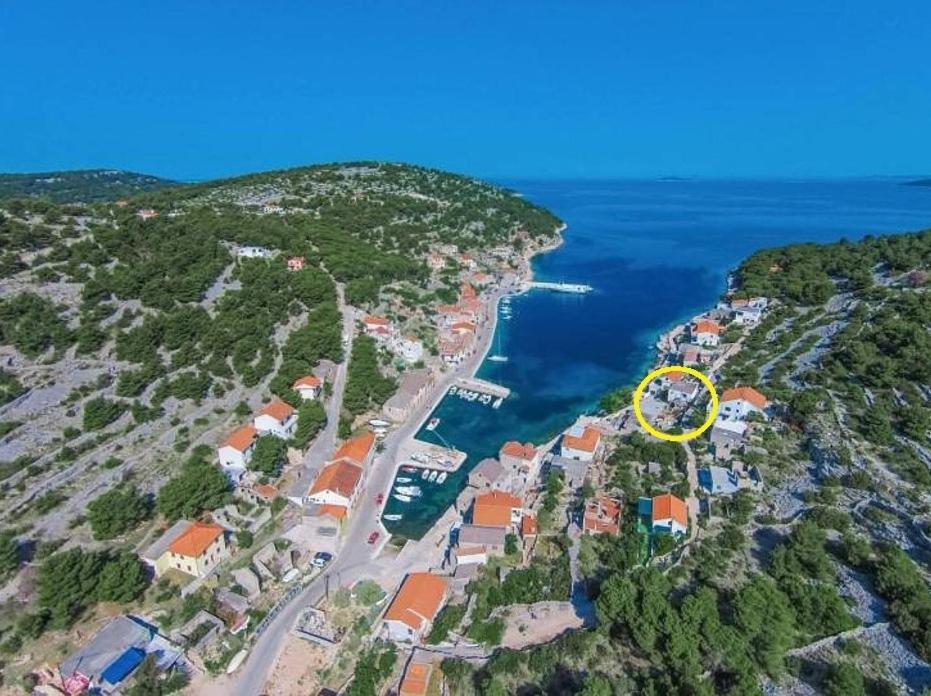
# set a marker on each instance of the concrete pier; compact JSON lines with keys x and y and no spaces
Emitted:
{"x":483,"y":387}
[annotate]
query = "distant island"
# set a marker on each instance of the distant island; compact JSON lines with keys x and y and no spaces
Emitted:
{"x":85,"y":186}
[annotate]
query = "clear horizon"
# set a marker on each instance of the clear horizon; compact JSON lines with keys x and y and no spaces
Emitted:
{"x":733,"y":90}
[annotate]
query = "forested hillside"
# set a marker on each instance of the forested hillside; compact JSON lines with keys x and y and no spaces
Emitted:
{"x":139,"y":321}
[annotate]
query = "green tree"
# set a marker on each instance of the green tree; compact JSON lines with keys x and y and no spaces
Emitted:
{"x":200,"y":486}
{"x":9,"y":554}
{"x":311,"y":418}
{"x":268,"y":456}
{"x":100,"y":412}
{"x":844,"y":679}
{"x":117,"y":511}
{"x":765,"y":616}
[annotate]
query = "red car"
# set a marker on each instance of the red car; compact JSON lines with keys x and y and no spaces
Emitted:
{"x":373,"y":537}
{"x":380,"y":498}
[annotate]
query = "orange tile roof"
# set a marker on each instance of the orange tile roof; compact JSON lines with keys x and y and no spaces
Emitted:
{"x":448,"y":309}
{"x":588,"y":442}
{"x":278,"y":410}
{"x":515,"y":449}
{"x":196,"y":539}
{"x":668,"y":506}
{"x":376,"y":321}
{"x":674,"y":376}
{"x":340,"y":477}
{"x":463,"y":326}
{"x":528,"y":525}
{"x":707,"y":326}
{"x":309,"y":381}
{"x":467,"y":291}
{"x":739,"y":303}
{"x":494,"y":509}
{"x":416,"y":679}
{"x":242,"y":438}
{"x":336,"y":511}
{"x":356,"y":449}
{"x":265,"y":491}
{"x":602,"y":516}
{"x":747,"y":394}
{"x":418,"y":600}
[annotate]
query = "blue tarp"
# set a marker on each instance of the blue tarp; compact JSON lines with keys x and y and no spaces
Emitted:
{"x":123,"y":666}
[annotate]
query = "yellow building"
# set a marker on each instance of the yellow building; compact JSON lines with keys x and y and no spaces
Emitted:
{"x":194,"y":548}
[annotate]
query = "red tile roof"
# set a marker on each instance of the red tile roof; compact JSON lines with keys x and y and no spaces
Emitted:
{"x":602,"y":516}
{"x":242,"y":438}
{"x":278,"y":410}
{"x":356,"y":449}
{"x":747,"y":394}
{"x":376,"y":321}
{"x":494,"y":509}
{"x":340,"y":477}
{"x":308,"y":381}
{"x":265,"y":491}
{"x":195,"y":539}
{"x":668,"y":506}
{"x":515,"y":449}
{"x":707,"y":326}
{"x":418,"y":600}
{"x":528,"y":526}
{"x":587,"y":442}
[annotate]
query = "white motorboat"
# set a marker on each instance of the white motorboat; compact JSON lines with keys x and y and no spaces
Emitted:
{"x":392,"y":518}
{"x":424,"y":474}
{"x":453,"y":389}
{"x":411,"y":491}
{"x":442,"y":477}
{"x":433,"y":475}
{"x":485,"y":398}
{"x":403,"y":479}
{"x":433,"y":423}
{"x":403,"y":498}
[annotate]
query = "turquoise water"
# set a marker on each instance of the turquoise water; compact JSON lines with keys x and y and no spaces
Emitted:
{"x":656,"y":253}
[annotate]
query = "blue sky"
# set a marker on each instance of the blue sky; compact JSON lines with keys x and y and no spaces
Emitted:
{"x":502,"y":89}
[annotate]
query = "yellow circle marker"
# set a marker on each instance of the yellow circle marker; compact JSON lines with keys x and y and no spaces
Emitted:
{"x":692,"y":434}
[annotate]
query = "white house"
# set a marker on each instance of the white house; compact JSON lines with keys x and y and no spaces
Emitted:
{"x":253,"y":252}
{"x":309,"y":387}
{"x":378,"y":328}
{"x":669,"y":514}
{"x":581,"y":443}
{"x":748,"y":316}
{"x":705,"y":332}
{"x":681,"y":392}
{"x":519,"y":457}
{"x":336,"y":488}
{"x":740,"y":402}
{"x":410,"y":616}
{"x":236,"y":452}
{"x":277,"y":418}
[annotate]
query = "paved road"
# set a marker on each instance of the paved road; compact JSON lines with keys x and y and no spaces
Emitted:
{"x":325,"y":443}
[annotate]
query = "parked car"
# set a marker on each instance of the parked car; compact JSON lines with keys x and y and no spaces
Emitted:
{"x":320,"y":559}
{"x":373,"y":537}
{"x":380,"y":498}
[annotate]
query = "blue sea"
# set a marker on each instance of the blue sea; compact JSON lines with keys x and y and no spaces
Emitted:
{"x":656,"y":252}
